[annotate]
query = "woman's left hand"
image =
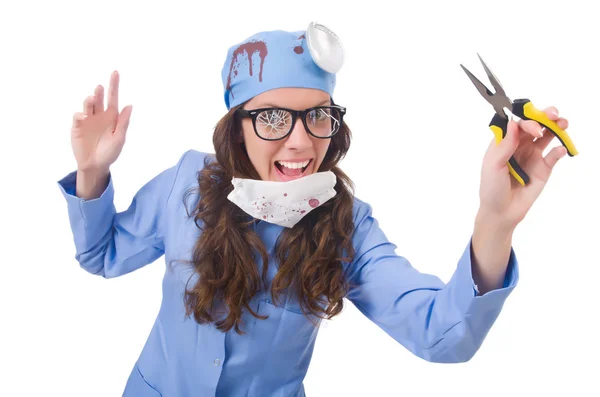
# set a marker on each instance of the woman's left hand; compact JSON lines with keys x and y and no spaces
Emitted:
{"x":502,"y":198}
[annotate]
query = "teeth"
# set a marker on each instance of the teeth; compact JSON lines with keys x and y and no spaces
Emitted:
{"x":288,"y":164}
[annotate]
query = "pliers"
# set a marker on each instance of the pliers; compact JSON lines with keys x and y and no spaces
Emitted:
{"x":522,"y":108}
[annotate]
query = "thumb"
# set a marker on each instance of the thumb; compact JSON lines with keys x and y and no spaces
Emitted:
{"x":123,"y":122}
{"x":510,"y":142}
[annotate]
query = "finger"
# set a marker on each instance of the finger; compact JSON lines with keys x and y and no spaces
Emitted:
{"x":99,"y":94}
{"x":555,"y":154}
{"x":563,"y":123}
{"x":88,"y":105}
{"x":507,"y":147}
{"x":79,"y":116}
{"x":123,"y":122}
{"x":542,"y":143}
{"x":531,"y":127}
{"x":551,"y":112}
{"x":113,"y":91}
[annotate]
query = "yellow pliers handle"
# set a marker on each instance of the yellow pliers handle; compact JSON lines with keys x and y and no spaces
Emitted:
{"x":524,"y":109}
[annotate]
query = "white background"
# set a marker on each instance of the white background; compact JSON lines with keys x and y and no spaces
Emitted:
{"x":420,"y":131}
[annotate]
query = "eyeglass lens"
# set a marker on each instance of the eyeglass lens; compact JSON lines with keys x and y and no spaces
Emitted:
{"x":276,"y":123}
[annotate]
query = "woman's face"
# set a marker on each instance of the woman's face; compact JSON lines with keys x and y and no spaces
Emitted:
{"x":299,"y":154}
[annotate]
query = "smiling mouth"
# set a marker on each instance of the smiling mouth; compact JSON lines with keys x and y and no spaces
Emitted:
{"x":292,"y":169}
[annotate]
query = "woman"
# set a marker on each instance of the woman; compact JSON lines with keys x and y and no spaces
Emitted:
{"x":264,"y":238}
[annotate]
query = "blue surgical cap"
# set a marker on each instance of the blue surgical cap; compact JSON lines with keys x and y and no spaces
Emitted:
{"x":269,"y":60}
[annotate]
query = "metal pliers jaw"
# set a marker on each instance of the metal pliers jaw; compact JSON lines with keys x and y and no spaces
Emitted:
{"x":522,"y":108}
{"x":498,"y":100}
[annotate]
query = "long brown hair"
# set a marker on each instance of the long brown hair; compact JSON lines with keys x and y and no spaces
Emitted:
{"x":224,"y":258}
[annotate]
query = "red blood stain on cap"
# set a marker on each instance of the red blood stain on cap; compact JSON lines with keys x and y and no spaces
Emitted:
{"x":313,"y":203}
{"x":298,"y":49}
{"x":249,"y":48}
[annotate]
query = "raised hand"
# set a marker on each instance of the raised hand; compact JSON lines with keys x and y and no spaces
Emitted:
{"x":98,"y":133}
{"x":503,"y":198}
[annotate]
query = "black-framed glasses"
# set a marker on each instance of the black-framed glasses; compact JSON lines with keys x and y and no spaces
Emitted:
{"x":273,"y":124}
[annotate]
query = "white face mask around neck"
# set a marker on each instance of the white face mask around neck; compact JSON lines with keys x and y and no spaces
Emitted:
{"x":283,"y":203}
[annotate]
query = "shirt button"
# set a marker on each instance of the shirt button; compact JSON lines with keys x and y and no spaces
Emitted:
{"x":217,"y":362}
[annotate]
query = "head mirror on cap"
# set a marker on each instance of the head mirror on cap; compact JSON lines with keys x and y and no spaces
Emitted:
{"x":325,"y":47}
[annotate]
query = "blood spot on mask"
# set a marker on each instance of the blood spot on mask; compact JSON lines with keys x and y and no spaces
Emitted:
{"x":284,"y":194}
{"x":313,"y":203}
{"x":303,"y":211}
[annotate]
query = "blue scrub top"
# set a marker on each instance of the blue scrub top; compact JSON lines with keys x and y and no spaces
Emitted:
{"x":438,"y":322}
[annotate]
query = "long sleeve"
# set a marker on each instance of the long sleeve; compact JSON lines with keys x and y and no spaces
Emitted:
{"x":110,"y":243}
{"x":444,"y":323}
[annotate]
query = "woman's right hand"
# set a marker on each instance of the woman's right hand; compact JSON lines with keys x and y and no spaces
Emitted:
{"x":98,"y":133}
